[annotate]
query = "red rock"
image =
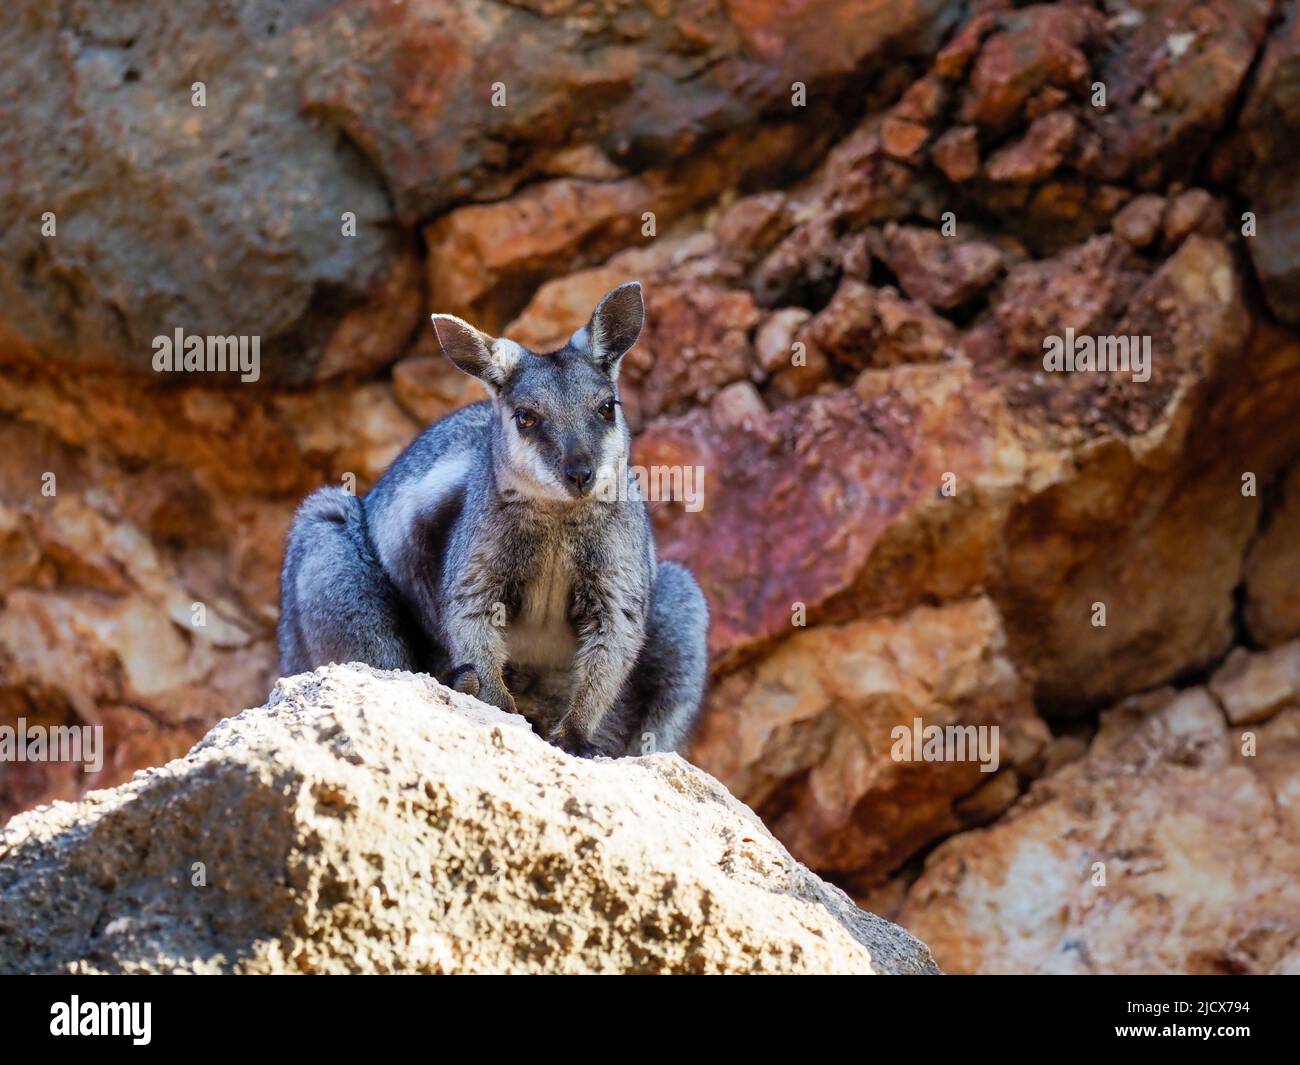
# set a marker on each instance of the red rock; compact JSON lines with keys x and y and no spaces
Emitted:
{"x":482,"y":257}
{"x":753,"y":224}
{"x":942,"y":271}
{"x":1272,"y":571}
{"x":956,"y":153}
{"x":1046,"y":101}
{"x":429,"y":387}
{"x":738,"y":406}
{"x":843,"y":328}
{"x":414,"y":85}
{"x":863,"y":327}
{"x":1146,"y":640}
{"x":924,"y":101}
{"x":1038,"y":153}
{"x":368,"y":338}
{"x":816,"y":503}
{"x":954,"y":58}
{"x":699,"y":341}
{"x":775,"y":338}
{"x":909,"y":332}
{"x":857,"y":184}
{"x":561,"y":306}
{"x":1268,"y":170}
{"x":796,"y":380}
{"x":1037,"y":47}
{"x":1168,"y":96}
{"x":1083,"y":289}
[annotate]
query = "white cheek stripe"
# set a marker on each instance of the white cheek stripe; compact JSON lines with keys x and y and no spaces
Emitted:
{"x":611,"y":465}
{"x":526,"y":468}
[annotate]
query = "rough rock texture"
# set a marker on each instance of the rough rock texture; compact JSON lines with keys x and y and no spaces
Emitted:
{"x":804,"y":736}
{"x":1172,"y":846}
{"x":385,"y":110}
{"x":856,"y":224}
{"x":377,"y":822}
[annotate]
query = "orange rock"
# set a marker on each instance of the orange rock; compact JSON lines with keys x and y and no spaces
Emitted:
{"x":903,"y":139}
{"x":481,"y":257}
{"x":957,"y":154}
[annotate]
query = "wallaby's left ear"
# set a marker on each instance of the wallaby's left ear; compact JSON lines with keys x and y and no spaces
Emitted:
{"x":615,"y":324}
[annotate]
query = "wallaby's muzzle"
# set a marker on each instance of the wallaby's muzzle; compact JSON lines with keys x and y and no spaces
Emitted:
{"x":578,"y":475}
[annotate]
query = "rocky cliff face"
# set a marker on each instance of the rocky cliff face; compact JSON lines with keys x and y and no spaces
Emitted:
{"x":910,"y":519}
{"x":1171,"y":844}
{"x":377,"y":822}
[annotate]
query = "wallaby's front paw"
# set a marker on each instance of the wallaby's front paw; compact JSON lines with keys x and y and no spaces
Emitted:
{"x":569,"y":741}
{"x":465,"y":679}
{"x":498,"y":696}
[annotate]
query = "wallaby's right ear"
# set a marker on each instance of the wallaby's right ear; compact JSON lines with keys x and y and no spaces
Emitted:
{"x":479,"y":355}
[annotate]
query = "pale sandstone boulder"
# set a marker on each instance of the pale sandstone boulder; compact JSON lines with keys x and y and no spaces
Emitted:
{"x":377,"y":822}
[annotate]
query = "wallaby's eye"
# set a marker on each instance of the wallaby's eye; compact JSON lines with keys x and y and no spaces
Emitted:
{"x":526,"y":419}
{"x":606,"y":410}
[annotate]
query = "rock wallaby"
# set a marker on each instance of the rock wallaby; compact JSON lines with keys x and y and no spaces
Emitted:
{"x":499,"y":554}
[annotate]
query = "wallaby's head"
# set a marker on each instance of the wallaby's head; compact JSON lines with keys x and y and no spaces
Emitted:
{"x":558,"y":432}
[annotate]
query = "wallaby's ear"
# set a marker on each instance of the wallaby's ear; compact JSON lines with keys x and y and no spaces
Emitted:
{"x":478,"y":354}
{"x":615,"y":324}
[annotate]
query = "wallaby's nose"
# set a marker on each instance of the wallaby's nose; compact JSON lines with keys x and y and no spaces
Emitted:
{"x":578,"y":473}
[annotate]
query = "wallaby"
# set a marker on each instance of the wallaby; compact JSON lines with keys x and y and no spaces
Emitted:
{"x":498,"y":554}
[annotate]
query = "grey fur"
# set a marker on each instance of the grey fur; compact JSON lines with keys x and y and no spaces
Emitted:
{"x":497,"y":554}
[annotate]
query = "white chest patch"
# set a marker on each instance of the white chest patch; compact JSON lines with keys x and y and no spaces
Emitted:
{"x":540,"y":636}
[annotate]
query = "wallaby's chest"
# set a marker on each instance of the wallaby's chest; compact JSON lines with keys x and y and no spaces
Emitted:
{"x":539,"y":634}
{"x":541,"y":643}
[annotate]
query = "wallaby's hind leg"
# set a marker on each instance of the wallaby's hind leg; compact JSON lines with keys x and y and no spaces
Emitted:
{"x":336,"y":602}
{"x":661,"y":701}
